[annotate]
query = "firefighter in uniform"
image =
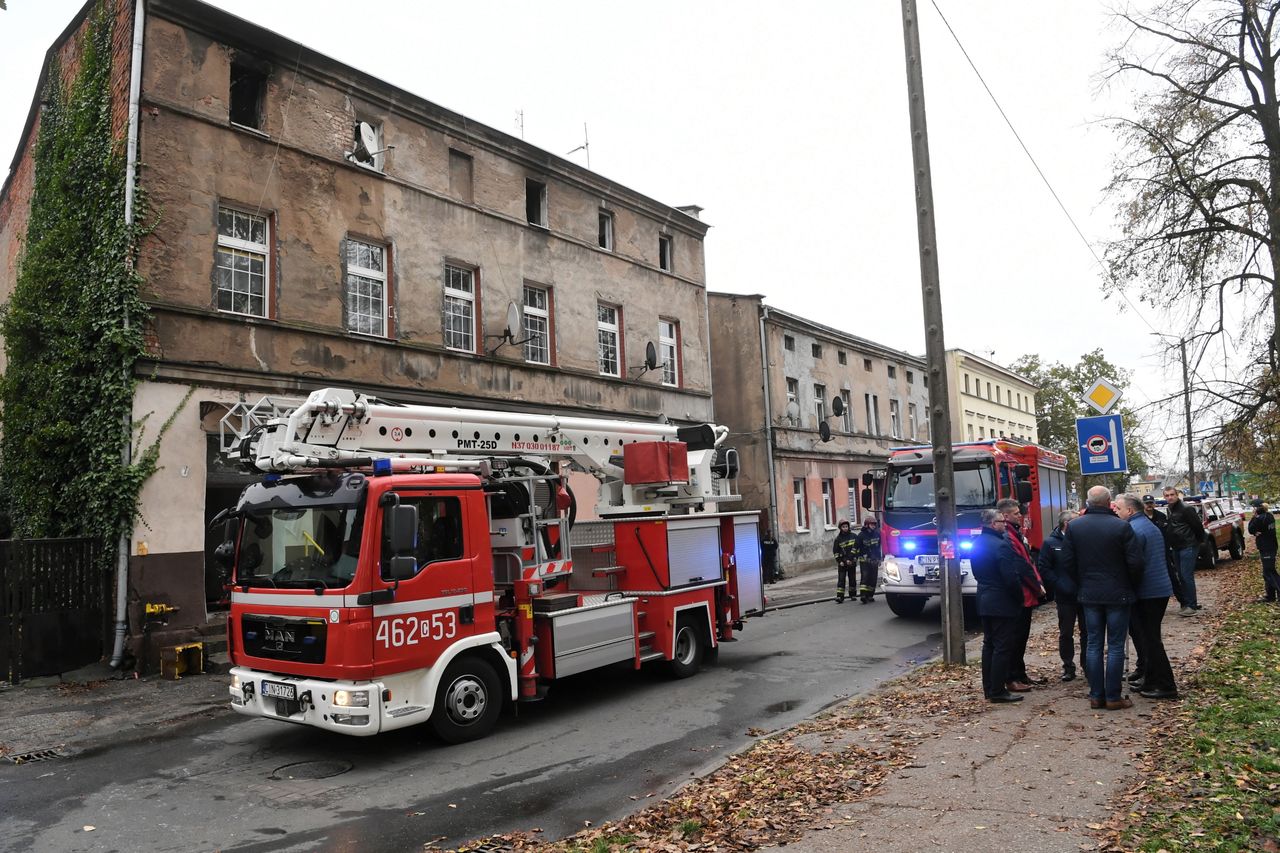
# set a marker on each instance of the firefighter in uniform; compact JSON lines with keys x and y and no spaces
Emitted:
{"x":846,"y":550}
{"x":868,"y":550}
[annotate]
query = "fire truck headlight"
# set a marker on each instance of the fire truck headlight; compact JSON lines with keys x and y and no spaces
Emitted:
{"x":235,"y":682}
{"x":890,"y":567}
{"x":351,"y":698}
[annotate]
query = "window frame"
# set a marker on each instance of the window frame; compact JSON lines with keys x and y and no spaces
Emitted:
{"x":671,"y":343}
{"x":666,"y":253}
{"x":815,"y":350}
{"x":820,"y":402}
{"x":895,"y":417}
{"x":801,"y":504}
{"x":383,"y":276}
{"x":543,"y":194}
{"x":462,"y":157}
{"x":788,"y":343}
{"x":604,"y":233}
{"x":603,"y":327}
{"x":829,"y":504}
{"x":473,"y":297}
{"x":244,"y":247}
{"x":546,"y":314}
{"x":847,"y":417}
{"x":255,"y":69}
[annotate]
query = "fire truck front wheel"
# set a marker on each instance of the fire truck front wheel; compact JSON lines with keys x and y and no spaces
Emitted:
{"x":905,"y":605}
{"x":688,"y":650}
{"x":468,"y":701}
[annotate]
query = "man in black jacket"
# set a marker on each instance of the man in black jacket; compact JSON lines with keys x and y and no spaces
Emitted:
{"x":1103,"y":557}
{"x":1263,"y":528}
{"x":1161,"y":521}
{"x":1185,"y":534}
{"x":992,"y":563}
{"x":1070,"y":613}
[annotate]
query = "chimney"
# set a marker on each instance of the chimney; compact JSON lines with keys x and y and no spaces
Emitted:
{"x":691,"y":210}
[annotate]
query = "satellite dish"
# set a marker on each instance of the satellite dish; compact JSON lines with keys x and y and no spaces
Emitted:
{"x":793,"y":410}
{"x":514,"y":324}
{"x":650,"y":356}
{"x":366,"y":143}
{"x":824,"y":431}
{"x":837,"y":406}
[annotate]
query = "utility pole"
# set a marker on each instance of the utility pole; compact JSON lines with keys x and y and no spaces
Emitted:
{"x":935,"y":350}
{"x":1192,"y":483}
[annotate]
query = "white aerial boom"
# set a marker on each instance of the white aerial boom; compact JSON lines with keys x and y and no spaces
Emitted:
{"x":342,"y":428}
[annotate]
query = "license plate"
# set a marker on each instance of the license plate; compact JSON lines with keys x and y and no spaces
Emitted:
{"x":277,"y":690}
{"x":927,"y":560}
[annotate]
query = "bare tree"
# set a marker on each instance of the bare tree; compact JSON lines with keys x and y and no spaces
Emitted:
{"x":1198,"y":184}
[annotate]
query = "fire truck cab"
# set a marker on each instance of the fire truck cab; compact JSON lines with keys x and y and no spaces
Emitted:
{"x":985,"y":472}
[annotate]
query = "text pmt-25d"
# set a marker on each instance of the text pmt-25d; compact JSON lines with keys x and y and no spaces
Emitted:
{"x":399,"y":564}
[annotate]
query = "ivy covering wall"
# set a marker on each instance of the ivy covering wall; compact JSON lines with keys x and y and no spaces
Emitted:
{"x":72,"y":328}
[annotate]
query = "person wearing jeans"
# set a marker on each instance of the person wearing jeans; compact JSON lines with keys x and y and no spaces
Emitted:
{"x":1185,"y":533}
{"x":1153,"y":674}
{"x":1102,"y":556}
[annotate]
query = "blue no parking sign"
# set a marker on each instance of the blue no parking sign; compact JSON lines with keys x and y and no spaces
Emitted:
{"x":1101,"y":444}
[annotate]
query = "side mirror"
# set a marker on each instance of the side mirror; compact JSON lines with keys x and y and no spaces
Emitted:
{"x":867,"y":479}
{"x":1023,"y":489}
{"x":866,"y":497}
{"x":225,"y":554}
{"x":400,"y":539}
{"x":1022,"y":472}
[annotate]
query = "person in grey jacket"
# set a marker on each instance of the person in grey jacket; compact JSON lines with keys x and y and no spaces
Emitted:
{"x":1104,"y":559}
{"x":1153,"y":674}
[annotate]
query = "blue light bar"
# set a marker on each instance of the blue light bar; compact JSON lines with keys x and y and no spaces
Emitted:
{"x":381,"y":467}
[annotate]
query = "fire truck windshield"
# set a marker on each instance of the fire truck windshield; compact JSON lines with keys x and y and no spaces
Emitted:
{"x":910,"y":487}
{"x":306,"y":547}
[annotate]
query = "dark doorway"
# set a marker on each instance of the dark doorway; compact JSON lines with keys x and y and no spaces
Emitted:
{"x":223,"y":485}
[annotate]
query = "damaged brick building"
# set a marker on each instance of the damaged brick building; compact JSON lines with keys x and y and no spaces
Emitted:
{"x":316,"y":226}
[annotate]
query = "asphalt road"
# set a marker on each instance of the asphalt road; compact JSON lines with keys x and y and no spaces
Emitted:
{"x":597,"y":748}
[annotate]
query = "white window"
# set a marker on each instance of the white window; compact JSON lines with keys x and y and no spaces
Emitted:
{"x":911,"y":421}
{"x":665,"y":261}
{"x":537,"y":325}
{"x":607,"y":340}
{"x":970,"y":431}
{"x":828,"y":504}
{"x":606,"y":230}
{"x":820,"y":402}
{"x":802,"y":507}
{"x":669,"y":351}
{"x":848,"y":411}
{"x":459,"y":308}
{"x":366,"y":288}
{"x":243,"y":258}
{"x":966,"y":383}
{"x":872,"y":402}
{"x":895,"y":418}
{"x":793,"y":395}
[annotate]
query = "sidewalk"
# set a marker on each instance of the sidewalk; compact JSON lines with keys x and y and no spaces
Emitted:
{"x":1039,"y":775}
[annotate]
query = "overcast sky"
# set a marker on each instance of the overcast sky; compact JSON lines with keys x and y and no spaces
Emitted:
{"x":791,"y":131}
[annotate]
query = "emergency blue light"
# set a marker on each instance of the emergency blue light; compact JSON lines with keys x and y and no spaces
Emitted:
{"x":908,"y":545}
{"x":381,"y":467}
{"x":966,"y":545}
{"x":271,"y":478}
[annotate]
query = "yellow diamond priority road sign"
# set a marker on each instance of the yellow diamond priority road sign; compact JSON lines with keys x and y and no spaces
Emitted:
{"x":1102,"y":395}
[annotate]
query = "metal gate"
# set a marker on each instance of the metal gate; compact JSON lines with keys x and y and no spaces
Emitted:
{"x":53,"y":613}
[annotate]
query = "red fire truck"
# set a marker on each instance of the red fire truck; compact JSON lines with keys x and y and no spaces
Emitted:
{"x":401,"y":564}
{"x":985,"y":472}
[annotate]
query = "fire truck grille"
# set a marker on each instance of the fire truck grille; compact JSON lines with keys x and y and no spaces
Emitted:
{"x":284,"y":638}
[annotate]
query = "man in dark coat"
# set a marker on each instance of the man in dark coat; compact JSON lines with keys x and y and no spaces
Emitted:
{"x":868,"y":559}
{"x":999,"y":605}
{"x":1033,"y":592}
{"x":1070,"y":613}
{"x":1104,"y":559}
{"x":769,"y":556}
{"x":1161,"y":521}
{"x":845,"y":549}
{"x":1263,"y":528}
{"x":1185,"y":534}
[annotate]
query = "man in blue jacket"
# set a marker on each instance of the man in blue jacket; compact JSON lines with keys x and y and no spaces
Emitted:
{"x":992,"y":562}
{"x":1153,"y":673}
{"x":1104,"y":559}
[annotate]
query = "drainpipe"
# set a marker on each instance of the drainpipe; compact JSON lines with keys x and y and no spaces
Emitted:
{"x":126,"y":421}
{"x":768,"y":423}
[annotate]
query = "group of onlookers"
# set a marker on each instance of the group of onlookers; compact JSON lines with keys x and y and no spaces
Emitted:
{"x":1111,"y":571}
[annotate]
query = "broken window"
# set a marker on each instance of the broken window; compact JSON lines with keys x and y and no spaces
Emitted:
{"x":535,"y":202}
{"x":247,"y":87}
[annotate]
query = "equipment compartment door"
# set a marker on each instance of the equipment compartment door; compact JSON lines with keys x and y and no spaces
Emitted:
{"x":693,"y":548}
{"x":746,"y":552}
